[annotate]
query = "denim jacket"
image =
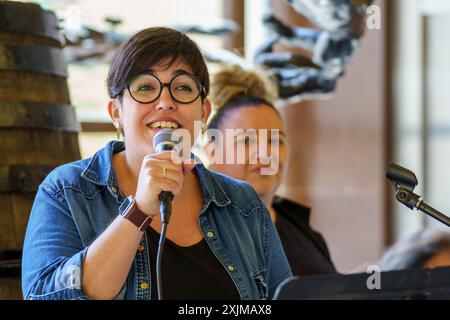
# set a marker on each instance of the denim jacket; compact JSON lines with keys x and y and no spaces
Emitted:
{"x":77,"y":201}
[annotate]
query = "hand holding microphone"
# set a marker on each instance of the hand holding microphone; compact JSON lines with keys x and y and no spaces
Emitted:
{"x":160,"y":177}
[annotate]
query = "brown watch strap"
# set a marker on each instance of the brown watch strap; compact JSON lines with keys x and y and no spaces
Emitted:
{"x":137,"y":217}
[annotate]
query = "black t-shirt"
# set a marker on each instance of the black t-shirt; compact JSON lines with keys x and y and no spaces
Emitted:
{"x":305,"y":248}
{"x":189,"y":272}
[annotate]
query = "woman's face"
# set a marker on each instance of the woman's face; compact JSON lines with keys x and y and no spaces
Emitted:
{"x":141,"y":121}
{"x":254,"y":117}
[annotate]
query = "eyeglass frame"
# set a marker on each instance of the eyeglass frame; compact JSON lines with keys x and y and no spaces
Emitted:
{"x":201,"y":92}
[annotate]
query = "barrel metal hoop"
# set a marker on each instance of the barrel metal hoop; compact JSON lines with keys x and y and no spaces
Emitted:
{"x":40,"y":116}
{"x":10,"y":263}
{"x":27,"y":18}
{"x":10,"y":269}
{"x":33,"y":59}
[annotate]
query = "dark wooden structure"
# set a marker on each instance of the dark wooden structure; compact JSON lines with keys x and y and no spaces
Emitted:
{"x":38,"y":126}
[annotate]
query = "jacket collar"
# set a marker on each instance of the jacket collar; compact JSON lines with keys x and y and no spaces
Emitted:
{"x":100,"y":170}
{"x":211,"y":187}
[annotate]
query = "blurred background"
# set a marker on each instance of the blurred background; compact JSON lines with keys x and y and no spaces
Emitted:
{"x":392,"y":104}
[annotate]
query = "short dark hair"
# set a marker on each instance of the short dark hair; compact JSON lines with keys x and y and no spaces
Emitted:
{"x":147,"y":48}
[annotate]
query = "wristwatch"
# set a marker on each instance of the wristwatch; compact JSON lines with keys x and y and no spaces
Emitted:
{"x":129,"y":210}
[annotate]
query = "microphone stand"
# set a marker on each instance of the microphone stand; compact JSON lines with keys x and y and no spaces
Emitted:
{"x":404,"y":181}
{"x":413,"y":201}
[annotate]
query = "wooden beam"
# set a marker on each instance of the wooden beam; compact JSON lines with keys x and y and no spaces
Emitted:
{"x":97,"y":127}
{"x":234,"y":10}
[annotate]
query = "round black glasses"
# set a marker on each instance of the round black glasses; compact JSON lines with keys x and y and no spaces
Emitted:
{"x":183,"y":88}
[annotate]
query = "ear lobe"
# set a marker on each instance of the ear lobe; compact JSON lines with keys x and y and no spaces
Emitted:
{"x":114,"y":112}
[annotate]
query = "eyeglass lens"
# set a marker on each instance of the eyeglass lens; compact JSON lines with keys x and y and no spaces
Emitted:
{"x":147,"y":88}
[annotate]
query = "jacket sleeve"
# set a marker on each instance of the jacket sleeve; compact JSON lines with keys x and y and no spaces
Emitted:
{"x":53,"y":254}
{"x":278,"y":268}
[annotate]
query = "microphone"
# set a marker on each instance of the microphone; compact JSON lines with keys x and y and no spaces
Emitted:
{"x":164,"y":140}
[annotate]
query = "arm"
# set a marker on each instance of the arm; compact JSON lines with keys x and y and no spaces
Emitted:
{"x":53,"y":253}
{"x":109,"y":258}
{"x":55,"y":264}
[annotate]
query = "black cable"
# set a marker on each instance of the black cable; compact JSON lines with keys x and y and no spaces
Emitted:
{"x":165,"y":199}
{"x":162,"y":239}
{"x":163,"y":141}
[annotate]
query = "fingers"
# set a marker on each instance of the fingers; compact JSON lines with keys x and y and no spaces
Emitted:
{"x":161,"y":164}
{"x":154,"y":181}
{"x":166,"y":175}
{"x":164,"y":155}
{"x":163,"y":173}
{"x":165,"y":160}
{"x":162,"y":159}
{"x":165,"y":184}
{"x":158,"y":173}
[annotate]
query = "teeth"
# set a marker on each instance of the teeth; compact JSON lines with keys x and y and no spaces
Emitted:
{"x":165,"y":124}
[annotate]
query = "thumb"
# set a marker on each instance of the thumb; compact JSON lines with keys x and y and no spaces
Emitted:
{"x":188,"y":166}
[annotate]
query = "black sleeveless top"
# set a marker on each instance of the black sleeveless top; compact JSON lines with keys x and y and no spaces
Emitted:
{"x":192,"y":273}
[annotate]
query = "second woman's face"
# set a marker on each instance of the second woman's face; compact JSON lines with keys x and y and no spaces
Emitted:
{"x":142,"y":121}
{"x":260,"y":117}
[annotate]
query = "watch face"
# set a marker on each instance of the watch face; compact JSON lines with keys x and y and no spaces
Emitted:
{"x":125,"y":205}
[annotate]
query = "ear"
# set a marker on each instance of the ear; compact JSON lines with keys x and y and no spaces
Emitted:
{"x":206,"y":110}
{"x":113,"y":111}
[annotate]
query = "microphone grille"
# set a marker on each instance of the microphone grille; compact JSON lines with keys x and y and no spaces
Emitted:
{"x":165,"y":137}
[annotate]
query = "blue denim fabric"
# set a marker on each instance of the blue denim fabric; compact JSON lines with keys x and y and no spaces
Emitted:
{"x":77,"y":201}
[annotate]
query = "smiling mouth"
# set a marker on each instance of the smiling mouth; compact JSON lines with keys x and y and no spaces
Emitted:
{"x":163,"y":125}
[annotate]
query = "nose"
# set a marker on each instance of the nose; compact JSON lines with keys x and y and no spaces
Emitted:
{"x":165,"y":101}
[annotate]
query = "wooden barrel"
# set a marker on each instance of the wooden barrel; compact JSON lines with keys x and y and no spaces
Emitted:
{"x":10,"y":275}
{"x":38,"y":126}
